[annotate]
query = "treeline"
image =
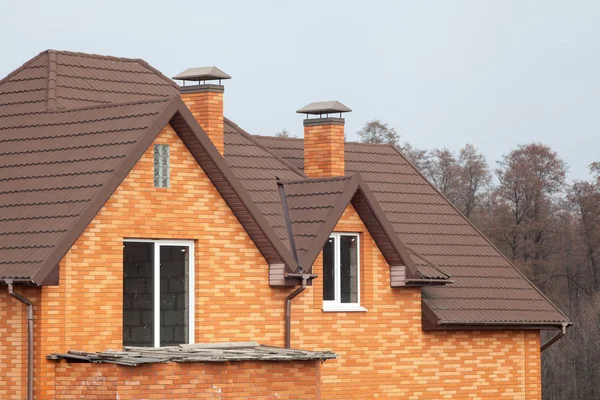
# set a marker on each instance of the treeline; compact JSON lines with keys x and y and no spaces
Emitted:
{"x":548,"y":227}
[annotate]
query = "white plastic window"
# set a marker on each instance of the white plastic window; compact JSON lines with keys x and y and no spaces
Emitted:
{"x":341,"y":273}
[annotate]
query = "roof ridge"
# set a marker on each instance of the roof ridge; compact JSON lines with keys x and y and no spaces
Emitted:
{"x":157,"y":72}
{"x":51,"y":101}
{"x":108,"y":105}
{"x":92,"y":55}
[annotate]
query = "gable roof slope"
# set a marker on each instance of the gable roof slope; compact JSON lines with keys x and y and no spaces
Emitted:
{"x":487,"y":290}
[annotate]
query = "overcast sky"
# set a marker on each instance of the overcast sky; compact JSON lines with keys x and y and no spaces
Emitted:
{"x":443,"y":73}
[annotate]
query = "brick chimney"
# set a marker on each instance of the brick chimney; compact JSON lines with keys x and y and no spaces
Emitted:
{"x":324,"y":139}
{"x":205,"y":100}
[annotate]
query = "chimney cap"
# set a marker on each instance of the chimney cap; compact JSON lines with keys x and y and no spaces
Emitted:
{"x":324,"y":107}
{"x":202,"y":74}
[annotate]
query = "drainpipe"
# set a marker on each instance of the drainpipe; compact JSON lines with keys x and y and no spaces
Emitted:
{"x":29,"y":305}
{"x":556,"y":338}
{"x":288,"y":310}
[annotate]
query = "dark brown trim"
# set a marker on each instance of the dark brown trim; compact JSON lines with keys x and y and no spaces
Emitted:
{"x":323,"y":121}
{"x":288,"y":223}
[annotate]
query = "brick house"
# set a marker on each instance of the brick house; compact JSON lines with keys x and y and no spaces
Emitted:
{"x":134,"y":216}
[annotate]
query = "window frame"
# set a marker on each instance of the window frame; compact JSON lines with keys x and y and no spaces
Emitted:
{"x":336,"y":305}
{"x":191,"y":285}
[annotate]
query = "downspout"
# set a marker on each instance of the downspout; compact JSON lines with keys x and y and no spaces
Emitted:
{"x":556,"y":338}
{"x":299,"y":271}
{"x":29,"y":305}
{"x":288,"y":310}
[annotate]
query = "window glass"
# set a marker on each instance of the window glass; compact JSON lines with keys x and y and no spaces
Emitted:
{"x":157,"y":296}
{"x":174,"y":303}
{"x":138,"y":294}
{"x":348,"y":269}
{"x":341,"y":273}
{"x":161,"y":166}
{"x":329,"y":270}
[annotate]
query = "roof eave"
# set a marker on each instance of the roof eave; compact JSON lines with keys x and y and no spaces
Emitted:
{"x":430,"y":322}
{"x":428,"y":281}
{"x":502,"y":325}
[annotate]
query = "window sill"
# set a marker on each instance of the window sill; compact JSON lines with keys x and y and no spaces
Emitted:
{"x":345,"y":308}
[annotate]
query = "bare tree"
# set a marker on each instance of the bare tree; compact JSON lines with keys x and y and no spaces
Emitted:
{"x":283,"y":133}
{"x":443,"y":171}
{"x":530,"y":180}
{"x":474,"y":178}
{"x":378,"y":132}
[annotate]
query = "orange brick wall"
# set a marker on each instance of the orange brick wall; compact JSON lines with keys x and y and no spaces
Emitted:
{"x":226,"y":381}
{"x":207,"y":107}
{"x":383,"y":352}
{"x":232,"y":297}
{"x":324,"y":150}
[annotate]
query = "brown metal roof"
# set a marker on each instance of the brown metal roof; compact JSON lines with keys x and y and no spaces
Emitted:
{"x":487,"y":287}
{"x":58,"y":80}
{"x":58,"y":166}
{"x":72,"y":126}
